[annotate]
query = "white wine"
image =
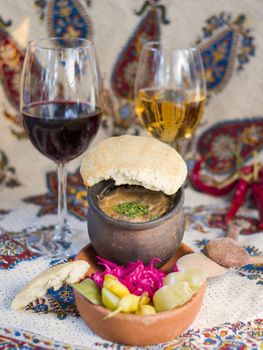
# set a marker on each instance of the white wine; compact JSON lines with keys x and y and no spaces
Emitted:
{"x":161,"y":112}
{"x":169,"y":114}
{"x":195,"y":110}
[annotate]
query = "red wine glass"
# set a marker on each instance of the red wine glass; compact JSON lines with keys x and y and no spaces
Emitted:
{"x":61,"y":108}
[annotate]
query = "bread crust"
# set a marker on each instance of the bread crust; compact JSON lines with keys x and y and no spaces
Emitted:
{"x":70,"y":272}
{"x":135,"y":160}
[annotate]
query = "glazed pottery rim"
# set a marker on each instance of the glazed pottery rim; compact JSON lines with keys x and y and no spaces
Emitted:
{"x":129,"y":316}
{"x":177,"y":206}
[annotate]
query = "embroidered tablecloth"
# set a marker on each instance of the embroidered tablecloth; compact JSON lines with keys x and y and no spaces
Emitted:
{"x":231,"y":315}
{"x":229,"y":35}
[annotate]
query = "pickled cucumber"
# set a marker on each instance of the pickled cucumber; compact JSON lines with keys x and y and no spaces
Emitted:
{"x":194,"y":277}
{"x":109,"y":299}
{"x":171,"y":296}
{"x":89,"y":289}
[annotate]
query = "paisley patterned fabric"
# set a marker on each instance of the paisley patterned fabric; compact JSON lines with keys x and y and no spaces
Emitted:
{"x":119,"y":102}
{"x":238,"y":336}
{"x":224,"y":141}
{"x":59,"y":305}
{"x":41,"y":6}
{"x":8,"y":175}
{"x":224,"y":337}
{"x":13,"y":252}
{"x":124,"y":71}
{"x":229,"y":34}
{"x":18,"y":339}
{"x":60,"y":302}
{"x":76,"y":196}
{"x":11,"y":61}
{"x":207,"y":220}
{"x":199,"y":219}
{"x":224,"y":44}
{"x":68,"y":19}
{"x":218,"y":57}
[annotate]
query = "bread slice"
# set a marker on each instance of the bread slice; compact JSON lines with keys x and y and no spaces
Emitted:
{"x":70,"y":272}
{"x":135,"y":160}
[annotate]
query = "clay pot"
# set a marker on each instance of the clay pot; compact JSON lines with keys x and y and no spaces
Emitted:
{"x":124,"y":242}
{"x":134,"y":329}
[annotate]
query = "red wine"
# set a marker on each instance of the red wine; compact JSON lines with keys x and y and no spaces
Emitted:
{"x":61,"y":130}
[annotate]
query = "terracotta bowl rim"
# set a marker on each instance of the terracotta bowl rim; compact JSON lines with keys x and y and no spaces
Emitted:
{"x":179,"y":200}
{"x":132,"y":317}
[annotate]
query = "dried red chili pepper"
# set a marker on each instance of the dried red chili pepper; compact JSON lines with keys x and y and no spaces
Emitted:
{"x":247,"y":170}
{"x":201,"y":186}
{"x":238,"y":200}
{"x":257,"y":191}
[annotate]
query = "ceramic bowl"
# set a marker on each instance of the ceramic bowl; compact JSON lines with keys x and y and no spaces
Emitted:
{"x":131,"y":329}
{"x":124,"y":242}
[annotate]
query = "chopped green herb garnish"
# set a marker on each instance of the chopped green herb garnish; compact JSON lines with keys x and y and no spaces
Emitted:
{"x":132,"y":209}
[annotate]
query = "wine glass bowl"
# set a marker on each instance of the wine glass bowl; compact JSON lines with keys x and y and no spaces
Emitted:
{"x":61,"y":109}
{"x":161,"y":112}
{"x":170,"y":91}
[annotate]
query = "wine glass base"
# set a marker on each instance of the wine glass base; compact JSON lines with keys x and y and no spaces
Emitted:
{"x":49,"y":241}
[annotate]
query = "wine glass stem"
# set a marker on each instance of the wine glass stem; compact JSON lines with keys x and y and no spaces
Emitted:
{"x":62,"y":173}
{"x":184,"y":147}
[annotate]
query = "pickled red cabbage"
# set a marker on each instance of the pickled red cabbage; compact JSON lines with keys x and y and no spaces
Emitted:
{"x":137,"y":277}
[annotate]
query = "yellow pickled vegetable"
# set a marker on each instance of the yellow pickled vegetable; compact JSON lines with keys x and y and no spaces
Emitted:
{"x":194,"y":277}
{"x":115,"y":286}
{"x":170,"y":296}
{"x":89,"y":289}
{"x":147,"y":310}
{"x":109,"y":300}
{"x":128,"y":304}
{"x":144,"y":299}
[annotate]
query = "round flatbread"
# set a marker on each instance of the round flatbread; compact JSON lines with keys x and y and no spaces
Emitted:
{"x":193,"y":260}
{"x":135,"y":160}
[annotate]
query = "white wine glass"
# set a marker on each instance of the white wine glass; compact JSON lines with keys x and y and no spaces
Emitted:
{"x":61,"y":104}
{"x":170,"y":93}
